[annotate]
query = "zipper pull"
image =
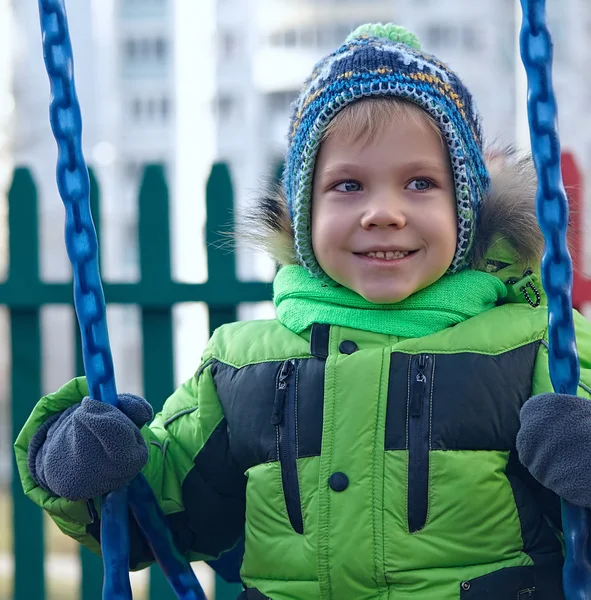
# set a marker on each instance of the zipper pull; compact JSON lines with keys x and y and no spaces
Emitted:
{"x":281,"y":393}
{"x":418,"y":387}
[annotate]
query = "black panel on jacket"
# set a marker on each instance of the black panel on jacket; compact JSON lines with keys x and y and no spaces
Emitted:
{"x":476,"y":399}
{"x":214,"y":496}
{"x":310,"y":406}
{"x":396,"y":410}
{"x":536,"y":506}
{"x":247,"y":395}
{"x":319,"y":340}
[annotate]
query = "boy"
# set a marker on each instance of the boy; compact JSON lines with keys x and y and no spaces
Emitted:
{"x":364,"y":442}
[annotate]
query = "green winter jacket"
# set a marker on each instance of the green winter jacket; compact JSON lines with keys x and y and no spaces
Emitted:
{"x":357,"y":465}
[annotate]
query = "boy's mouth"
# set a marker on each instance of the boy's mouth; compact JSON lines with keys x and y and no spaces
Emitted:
{"x":388,"y":255}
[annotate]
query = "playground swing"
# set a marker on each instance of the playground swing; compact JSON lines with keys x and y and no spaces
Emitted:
{"x":82,"y":246}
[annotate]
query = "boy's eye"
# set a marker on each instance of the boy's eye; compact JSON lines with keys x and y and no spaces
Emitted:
{"x":348,"y":186}
{"x":420,"y":185}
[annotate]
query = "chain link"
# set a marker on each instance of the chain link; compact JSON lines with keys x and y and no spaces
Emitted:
{"x":82,"y":245}
{"x":552,"y":209}
{"x":552,"y":203}
{"x":74,"y":187}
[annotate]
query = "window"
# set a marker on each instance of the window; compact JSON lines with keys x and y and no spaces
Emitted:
{"x":440,"y":35}
{"x":164,"y":108}
{"x":160,"y":48}
{"x":308,"y":37}
{"x":277,"y":39}
{"x":146,"y":110}
{"x":227,"y":44}
{"x":136,"y":109}
{"x":145,"y":50}
{"x":290,"y":38}
{"x":130,"y":49}
{"x":132,"y":169}
{"x":323,"y":36}
{"x":279,"y":101}
{"x":225,"y":106}
{"x":471,"y":40}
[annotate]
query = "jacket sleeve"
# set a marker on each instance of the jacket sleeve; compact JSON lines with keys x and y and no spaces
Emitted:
{"x":541,"y":384}
{"x":541,"y":381}
{"x":190,"y":469}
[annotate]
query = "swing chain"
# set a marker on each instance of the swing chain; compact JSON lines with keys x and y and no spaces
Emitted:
{"x":552,"y":203}
{"x":74,"y":186}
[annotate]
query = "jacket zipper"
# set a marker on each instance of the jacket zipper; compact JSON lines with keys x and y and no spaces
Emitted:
{"x":418,"y":442}
{"x":284,"y":418}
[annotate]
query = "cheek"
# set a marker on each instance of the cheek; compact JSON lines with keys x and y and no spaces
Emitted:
{"x":323,"y":228}
{"x":442,"y":230}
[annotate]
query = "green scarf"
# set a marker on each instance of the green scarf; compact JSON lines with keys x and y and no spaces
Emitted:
{"x":302,"y":300}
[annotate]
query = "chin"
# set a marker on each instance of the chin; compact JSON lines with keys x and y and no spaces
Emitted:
{"x":385,"y":297}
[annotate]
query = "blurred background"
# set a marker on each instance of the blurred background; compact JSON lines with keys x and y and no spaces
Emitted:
{"x":186,"y":83}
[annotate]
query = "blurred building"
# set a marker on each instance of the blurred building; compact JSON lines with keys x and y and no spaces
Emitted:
{"x":144,"y":34}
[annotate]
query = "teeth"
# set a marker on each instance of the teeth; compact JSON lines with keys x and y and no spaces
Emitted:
{"x":390,"y":255}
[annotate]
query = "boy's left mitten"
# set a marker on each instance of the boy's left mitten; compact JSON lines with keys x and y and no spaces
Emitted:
{"x":554,"y":443}
{"x":91,"y":448}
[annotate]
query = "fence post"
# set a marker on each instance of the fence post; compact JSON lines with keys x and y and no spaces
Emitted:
{"x":157,"y":343}
{"x":25,"y":332}
{"x":221,"y":262}
{"x":92,"y":565}
{"x":221,"y":266}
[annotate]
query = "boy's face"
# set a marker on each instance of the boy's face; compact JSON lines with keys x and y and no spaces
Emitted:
{"x":384,"y":212}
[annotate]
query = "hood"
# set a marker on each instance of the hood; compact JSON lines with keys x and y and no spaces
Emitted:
{"x":508,"y":241}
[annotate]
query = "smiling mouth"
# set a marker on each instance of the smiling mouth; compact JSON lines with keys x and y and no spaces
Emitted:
{"x":390,"y":255}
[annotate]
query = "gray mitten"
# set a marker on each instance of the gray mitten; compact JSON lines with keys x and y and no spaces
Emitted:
{"x":554,"y":443}
{"x":91,"y":448}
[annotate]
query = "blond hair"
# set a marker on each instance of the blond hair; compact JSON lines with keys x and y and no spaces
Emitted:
{"x":365,"y":119}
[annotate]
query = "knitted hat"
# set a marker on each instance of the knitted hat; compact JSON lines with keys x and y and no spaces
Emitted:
{"x":384,"y":60}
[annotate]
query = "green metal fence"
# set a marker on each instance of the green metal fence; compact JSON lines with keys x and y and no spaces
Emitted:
{"x":155,"y":293}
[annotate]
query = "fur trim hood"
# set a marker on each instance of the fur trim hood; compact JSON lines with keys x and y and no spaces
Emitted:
{"x":507,"y":239}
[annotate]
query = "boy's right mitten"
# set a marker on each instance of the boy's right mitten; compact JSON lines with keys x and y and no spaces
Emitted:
{"x":91,"y":448}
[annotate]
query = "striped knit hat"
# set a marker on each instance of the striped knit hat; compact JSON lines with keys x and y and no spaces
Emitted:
{"x":384,"y":60}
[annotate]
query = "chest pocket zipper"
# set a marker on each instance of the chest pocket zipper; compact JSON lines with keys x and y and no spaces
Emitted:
{"x":418,"y":441}
{"x":284,"y":419}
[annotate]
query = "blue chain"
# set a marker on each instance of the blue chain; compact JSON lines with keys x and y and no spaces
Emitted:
{"x":552,"y":209}
{"x":81,"y":242}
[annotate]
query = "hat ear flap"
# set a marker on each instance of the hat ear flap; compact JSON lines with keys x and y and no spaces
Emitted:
{"x":267,"y":227}
{"x":508,"y":211}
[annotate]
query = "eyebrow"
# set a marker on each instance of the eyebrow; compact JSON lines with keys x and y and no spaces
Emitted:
{"x":339,"y":169}
{"x":419,"y":165}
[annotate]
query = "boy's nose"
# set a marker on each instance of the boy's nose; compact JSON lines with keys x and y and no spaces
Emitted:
{"x":386,"y":212}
